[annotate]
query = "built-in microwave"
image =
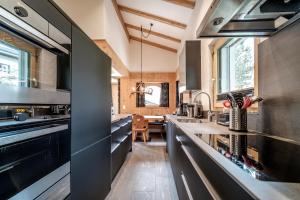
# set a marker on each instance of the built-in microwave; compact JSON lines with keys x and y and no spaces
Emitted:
{"x":34,"y":57}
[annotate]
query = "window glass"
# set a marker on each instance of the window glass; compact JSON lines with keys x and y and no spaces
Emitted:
{"x":13,"y":65}
{"x":154,"y":99}
{"x":236,"y":65}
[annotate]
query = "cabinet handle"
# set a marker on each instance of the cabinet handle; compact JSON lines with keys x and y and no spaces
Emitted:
{"x":186,"y":186}
{"x":202,"y":176}
{"x":178,"y":139}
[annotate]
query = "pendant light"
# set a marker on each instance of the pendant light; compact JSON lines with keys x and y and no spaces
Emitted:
{"x":141,"y":87}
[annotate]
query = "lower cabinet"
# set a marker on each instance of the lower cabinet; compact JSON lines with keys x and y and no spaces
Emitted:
{"x":196,"y":175}
{"x":121,"y":144}
{"x":91,"y":167}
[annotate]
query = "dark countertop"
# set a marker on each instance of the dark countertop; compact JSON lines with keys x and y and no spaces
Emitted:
{"x":118,"y":117}
{"x":259,"y":189}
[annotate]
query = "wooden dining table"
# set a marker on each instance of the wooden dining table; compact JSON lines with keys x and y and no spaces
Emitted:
{"x":154,"y":118}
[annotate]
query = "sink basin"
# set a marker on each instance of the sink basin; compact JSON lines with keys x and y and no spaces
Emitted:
{"x":189,"y":120}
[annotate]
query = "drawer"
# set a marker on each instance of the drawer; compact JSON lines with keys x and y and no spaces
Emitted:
{"x":220,"y":181}
{"x":193,"y":187}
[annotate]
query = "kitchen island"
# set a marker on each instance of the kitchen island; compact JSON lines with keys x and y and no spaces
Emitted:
{"x":201,"y":171}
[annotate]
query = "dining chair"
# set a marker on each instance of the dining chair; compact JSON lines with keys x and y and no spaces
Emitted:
{"x":139,"y":125}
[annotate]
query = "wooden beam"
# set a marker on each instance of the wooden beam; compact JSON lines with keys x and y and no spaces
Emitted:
{"x":185,"y":3}
{"x":151,"y":16}
{"x":115,"y":4}
{"x":154,"y":44}
{"x":108,"y":50}
{"x":154,"y":33}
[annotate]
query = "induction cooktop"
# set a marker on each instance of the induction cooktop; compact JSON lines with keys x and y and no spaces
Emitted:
{"x":262,"y":157}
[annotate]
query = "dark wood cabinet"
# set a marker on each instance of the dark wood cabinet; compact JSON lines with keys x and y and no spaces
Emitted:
{"x":91,"y":92}
{"x":90,"y":172}
{"x":90,"y":119}
{"x":190,"y":65}
{"x":196,"y":175}
{"x":121,"y":144}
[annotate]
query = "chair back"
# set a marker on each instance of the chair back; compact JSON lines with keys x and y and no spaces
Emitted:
{"x":139,"y":122}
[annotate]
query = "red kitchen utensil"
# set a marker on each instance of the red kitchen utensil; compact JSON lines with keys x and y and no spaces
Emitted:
{"x":247,"y":102}
{"x":227,"y":104}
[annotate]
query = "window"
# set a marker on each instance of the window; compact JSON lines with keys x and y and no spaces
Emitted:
{"x":236,"y":65}
{"x":158,"y":98}
{"x":154,"y":99}
{"x":14,"y":65}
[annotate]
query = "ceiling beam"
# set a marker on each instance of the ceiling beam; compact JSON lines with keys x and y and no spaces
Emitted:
{"x":153,"y":33}
{"x":154,"y":44}
{"x":151,"y":16}
{"x":185,"y":3}
{"x":115,"y":4}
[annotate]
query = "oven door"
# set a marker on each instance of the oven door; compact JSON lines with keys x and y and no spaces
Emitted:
{"x":28,"y":155}
{"x":34,"y":68}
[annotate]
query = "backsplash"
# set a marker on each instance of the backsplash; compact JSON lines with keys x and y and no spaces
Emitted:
{"x":279,"y":85}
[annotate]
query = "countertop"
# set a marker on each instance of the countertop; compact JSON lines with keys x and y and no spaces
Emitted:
{"x":266,"y":190}
{"x":115,"y":118}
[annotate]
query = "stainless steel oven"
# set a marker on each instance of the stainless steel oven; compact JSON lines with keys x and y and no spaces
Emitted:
{"x":34,"y":160}
{"x":33,"y":55}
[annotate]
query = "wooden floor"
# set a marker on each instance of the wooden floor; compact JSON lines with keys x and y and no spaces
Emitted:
{"x":145,"y":175}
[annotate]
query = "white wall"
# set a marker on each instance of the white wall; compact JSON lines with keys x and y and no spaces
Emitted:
{"x":199,"y":12}
{"x":154,"y":59}
{"x":88,"y":15}
{"x":114,"y":33}
{"x":98,"y":19}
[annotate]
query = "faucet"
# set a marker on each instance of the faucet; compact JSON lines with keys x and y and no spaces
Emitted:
{"x":210,"y":113}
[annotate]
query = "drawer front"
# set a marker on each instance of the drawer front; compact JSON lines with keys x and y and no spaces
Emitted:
{"x":194,"y":186}
{"x":222,"y":183}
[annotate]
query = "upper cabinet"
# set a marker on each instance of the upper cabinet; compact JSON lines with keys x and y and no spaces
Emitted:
{"x":190,"y":65}
{"x":232,"y":18}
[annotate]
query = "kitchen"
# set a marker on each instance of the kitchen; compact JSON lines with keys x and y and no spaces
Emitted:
{"x":162,"y":99}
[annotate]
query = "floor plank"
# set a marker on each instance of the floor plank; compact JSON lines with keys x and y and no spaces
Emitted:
{"x":145,"y":175}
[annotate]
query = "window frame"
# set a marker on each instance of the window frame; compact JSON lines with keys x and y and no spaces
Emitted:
{"x":219,"y":97}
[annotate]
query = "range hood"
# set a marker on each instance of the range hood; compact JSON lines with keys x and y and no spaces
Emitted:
{"x":244,"y":18}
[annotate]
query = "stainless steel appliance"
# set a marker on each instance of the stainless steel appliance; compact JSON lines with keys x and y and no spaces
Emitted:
{"x":32,"y":55}
{"x":34,"y":159}
{"x":232,"y":18}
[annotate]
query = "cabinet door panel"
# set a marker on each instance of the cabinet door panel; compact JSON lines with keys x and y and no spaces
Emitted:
{"x":91,"y":92}
{"x":90,"y":172}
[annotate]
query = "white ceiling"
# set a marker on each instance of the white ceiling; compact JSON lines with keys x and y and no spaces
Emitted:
{"x":159,"y":8}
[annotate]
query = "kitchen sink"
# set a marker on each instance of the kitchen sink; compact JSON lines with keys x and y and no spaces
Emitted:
{"x":189,"y":120}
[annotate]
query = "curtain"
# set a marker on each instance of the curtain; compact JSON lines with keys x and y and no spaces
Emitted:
{"x":164,"y":97}
{"x":140,"y":99}
{"x":177,"y":93}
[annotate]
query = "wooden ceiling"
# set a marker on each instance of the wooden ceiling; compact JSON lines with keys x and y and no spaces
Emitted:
{"x":170,"y":19}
